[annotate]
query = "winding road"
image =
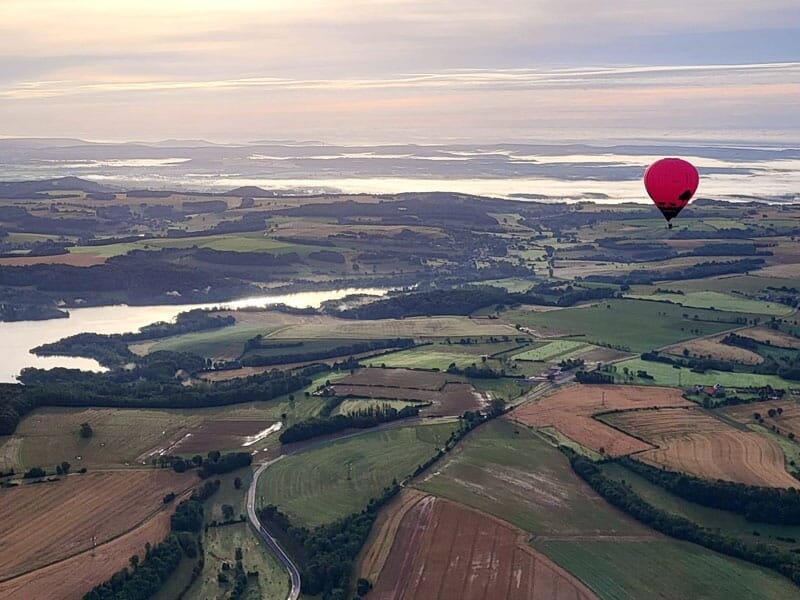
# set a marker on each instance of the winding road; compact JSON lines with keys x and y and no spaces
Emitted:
{"x":271,"y":542}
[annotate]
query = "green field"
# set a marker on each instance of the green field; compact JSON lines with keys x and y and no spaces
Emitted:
{"x":231,"y":243}
{"x":511,"y":284}
{"x":355,"y":405}
{"x":224,"y":343}
{"x":333,"y":480}
{"x":633,"y":570}
{"x":727,"y":522}
{"x":556,"y":349}
{"x":720,"y":301}
{"x":636,"y":324}
{"x":667,"y":375}
{"x":426,"y":357}
{"x":510,"y":472}
{"x":221,"y":542}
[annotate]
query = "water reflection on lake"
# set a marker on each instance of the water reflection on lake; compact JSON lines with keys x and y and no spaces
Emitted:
{"x":17,"y":339}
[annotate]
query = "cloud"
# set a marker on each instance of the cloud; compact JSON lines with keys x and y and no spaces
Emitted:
{"x":391,"y":67}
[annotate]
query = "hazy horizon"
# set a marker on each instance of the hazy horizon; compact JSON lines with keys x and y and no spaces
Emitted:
{"x":359,"y":71}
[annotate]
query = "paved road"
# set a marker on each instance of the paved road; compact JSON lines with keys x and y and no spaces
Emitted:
{"x":271,"y":542}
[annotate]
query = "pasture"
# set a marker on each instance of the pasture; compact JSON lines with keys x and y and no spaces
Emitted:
{"x":666,"y":375}
{"x":638,"y":325}
{"x":508,"y":471}
{"x":220,"y":544}
{"x":558,"y":349}
{"x":692,"y":441}
{"x":334,"y":479}
{"x":426,"y":357}
{"x":632,"y":570}
{"x":720,"y":301}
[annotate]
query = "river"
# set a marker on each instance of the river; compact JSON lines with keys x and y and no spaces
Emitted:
{"x":19,"y":337}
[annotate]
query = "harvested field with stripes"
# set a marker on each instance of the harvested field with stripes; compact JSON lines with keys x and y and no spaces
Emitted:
{"x":427,"y":547}
{"x":692,"y":441}
{"x":48,"y":522}
{"x":571,"y":412}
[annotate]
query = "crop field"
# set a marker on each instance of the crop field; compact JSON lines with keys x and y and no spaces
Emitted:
{"x":446,"y":551}
{"x":556,"y":349}
{"x":399,"y":378}
{"x":714,"y":348}
{"x":691,"y":441}
{"x":49,"y":522}
{"x":639,"y":325}
{"x":508,"y":471}
{"x":720,"y":301}
{"x":664,"y":374}
{"x":571,"y":411}
{"x":330,"y":481}
{"x":123,"y":435}
{"x":446,"y":394}
{"x":221,"y":435}
{"x":770,"y":336}
{"x":630,"y":570}
{"x":71,"y":578}
{"x":417,"y":327}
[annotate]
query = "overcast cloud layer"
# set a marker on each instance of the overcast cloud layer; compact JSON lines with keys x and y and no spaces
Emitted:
{"x":392,"y":70}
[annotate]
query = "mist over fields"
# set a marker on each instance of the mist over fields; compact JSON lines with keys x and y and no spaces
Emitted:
{"x":609,"y":173}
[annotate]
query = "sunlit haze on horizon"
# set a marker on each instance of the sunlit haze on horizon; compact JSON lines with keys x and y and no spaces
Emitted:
{"x":358,"y":71}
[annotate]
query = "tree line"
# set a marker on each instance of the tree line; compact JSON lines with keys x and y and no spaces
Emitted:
{"x":153,"y":387}
{"x":364,"y":418}
{"x":260,"y":360}
{"x":779,"y":506}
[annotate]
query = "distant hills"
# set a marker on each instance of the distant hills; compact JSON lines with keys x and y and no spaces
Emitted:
{"x":22,"y":189}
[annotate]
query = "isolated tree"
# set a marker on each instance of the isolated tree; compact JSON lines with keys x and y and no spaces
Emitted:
{"x":65,"y":467}
{"x":237,"y":483}
{"x":780,"y":410}
{"x":86,"y":431}
{"x":227,"y":512}
{"x":771,"y":413}
{"x":134,"y":560}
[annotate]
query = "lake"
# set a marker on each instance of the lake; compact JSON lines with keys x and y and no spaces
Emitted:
{"x":19,"y":337}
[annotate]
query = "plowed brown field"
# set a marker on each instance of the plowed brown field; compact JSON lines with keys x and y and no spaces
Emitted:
{"x":49,"y":522}
{"x":446,"y":551}
{"x":70,"y":579}
{"x":398,"y":378}
{"x":691,"y":441}
{"x":570,"y":411}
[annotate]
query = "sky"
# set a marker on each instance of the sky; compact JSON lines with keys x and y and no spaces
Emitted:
{"x":377,"y":71}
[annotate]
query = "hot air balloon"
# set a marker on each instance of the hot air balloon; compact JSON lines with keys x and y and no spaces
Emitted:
{"x":671,"y":183}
